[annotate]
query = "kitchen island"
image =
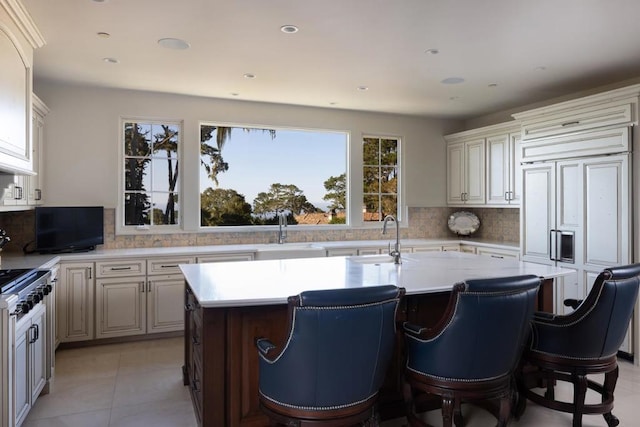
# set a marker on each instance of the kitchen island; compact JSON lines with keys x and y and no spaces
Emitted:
{"x":229,"y":305}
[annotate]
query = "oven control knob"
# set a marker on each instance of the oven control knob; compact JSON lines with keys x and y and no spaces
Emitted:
{"x":33,"y":297}
{"x":40,"y":293}
{"x":26,"y":306}
{"x":45,"y":289}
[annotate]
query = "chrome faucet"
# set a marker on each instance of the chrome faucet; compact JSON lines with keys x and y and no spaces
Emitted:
{"x":395,"y":253}
{"x":282,"y":227}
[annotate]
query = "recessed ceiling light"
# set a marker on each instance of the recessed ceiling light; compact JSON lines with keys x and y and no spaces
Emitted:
{"x":103,"y":35}
{"x":172,"y":43}
{"x":452,"y":80}
{"x":540,"y":68}
{"x":492,"y":85}
{"x":453,"y":98}
{"x":333,"y":103}
{"x":249,"y":76}
{"x":289,"y":29}
{"x":110,"y":60}
{"x":363,"y":88}
{"x":432,"y":51}
{"x":100,"y":1}
{"x":234,"y":94}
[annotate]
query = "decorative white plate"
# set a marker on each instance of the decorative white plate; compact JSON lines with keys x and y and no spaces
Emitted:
{"x":463,"y":223}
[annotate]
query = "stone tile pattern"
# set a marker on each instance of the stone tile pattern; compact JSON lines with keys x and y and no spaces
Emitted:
{"x":497,"y":224}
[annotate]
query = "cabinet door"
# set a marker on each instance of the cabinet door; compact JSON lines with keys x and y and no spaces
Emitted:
{"x":455,"y":173}
{"x":515,"y":169}
{"x":474,"y":172}
{"x":165,"y":309}
{"x":120,"y":307}
{"x":22,"y":379}
{"x":201,"y":259}
{"x":498,"y":170}
{"x":537,"y":214}
{"x":342,"y":252}
{"x":34,"y":182}
{"x":75,"y":294}
{"x":38,"y":354}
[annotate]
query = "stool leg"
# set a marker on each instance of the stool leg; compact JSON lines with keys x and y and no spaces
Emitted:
{"x":610,"y":380}
{"x":447,"y":411}
{"x":579,"y":394}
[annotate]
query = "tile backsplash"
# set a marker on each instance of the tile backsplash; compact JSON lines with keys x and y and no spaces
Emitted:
{"x":496,"y":224}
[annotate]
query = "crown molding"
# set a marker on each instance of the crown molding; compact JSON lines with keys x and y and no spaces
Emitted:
{"x":23,"y":21}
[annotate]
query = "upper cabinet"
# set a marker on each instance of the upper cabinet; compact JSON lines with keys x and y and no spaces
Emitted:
{"x":35,"y":182}
{"x":593,"y":125}
{"x":18,"y":38}
{"x":483,"y":166}
{"x":465,"y":172}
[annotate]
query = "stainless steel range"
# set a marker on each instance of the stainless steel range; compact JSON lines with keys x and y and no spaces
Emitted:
{"x":29,"y":285}
{"x":26,"y":341}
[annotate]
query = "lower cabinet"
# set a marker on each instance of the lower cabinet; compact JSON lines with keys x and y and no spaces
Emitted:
{"x":143,"y":300}
{"x":74,"y":301}
{"x":30,"y":361}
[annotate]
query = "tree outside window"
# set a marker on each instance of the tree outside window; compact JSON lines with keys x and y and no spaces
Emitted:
{"x":380,"y":177}
{"x":151,"y":173}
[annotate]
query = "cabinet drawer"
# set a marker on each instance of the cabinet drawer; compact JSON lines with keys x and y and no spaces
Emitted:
{"x":121,"y":268}
{"x":167,"y":265}
{"x":580,"y":119}
{"x":249,"y":256}
{"x":499,"y":253}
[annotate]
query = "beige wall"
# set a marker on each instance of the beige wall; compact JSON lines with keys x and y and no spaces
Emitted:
{"x":82,"y":139}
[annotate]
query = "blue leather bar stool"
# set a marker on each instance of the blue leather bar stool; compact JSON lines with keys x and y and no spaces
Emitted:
{"x":335,"y":358}
{"x":471,"y":354}
{"x":586,"y":341}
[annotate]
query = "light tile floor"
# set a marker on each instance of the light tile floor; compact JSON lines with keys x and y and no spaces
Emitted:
{"x":140,"y":384}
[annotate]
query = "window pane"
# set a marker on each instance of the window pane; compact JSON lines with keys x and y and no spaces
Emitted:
{"x":165,"y":141}
{"x":371,"y":209}
{"x":388,"y":152}
{"x":389,"y":205}
{"x":136,"y":209}
{"x":389,"y":180}
{"x":370,"y":151}
{"x":249,"y":175}
{"x":136,"y":139}
{"x":165,"y":174}
{"x":165,"y":208}
{"x":136,"y":174}
{"x":371,"y":181}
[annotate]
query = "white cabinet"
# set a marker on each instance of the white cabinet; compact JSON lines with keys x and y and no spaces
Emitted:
{"x":483,"y":166}
{"x":30,"y":361}
{"x":504,"y":181}
{"x":18,"y":38}
{"x":35,"y":183}
{"x":75,"y":301}
{"x":466,"y":172}
{"x":137,"y":296}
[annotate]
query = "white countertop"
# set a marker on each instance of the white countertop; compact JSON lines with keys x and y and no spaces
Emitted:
{"x":266,"y":282}
{"x":19,"y":260}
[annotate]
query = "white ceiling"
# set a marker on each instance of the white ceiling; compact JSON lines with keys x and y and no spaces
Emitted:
{"x":531,"y":49}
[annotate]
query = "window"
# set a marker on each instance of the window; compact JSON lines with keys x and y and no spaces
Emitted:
{"x":249,"y":176}
{"x":380,"y":178}
{"x":151,"y":174}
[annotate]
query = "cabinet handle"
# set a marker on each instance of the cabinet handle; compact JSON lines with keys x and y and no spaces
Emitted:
{"x":169,"y":266}
{"x":38,"y":194}
{"x":195,"y":340}
{"x":149,"y":286}
{"x":497,"y":256}
{"x":90,"y":273}
{"x":120,"y":268}
{"x":141,"y":286}
{"x":577,"y":122}
{"x":506,"y":196}
{"x":194,"y":385}
{"x":18,"y":193}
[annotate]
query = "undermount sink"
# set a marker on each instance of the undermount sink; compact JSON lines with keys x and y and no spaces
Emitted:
{"x":371,"y":259}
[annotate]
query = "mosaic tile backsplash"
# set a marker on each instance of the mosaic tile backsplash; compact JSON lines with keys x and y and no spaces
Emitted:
{"x":496,"y":224}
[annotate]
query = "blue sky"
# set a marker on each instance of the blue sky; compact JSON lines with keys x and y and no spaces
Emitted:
{"x":303,"y":158}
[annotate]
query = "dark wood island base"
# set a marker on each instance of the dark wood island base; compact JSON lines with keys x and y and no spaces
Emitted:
{"x":221,"y":361}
